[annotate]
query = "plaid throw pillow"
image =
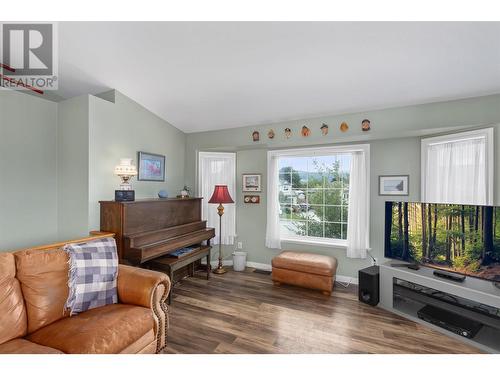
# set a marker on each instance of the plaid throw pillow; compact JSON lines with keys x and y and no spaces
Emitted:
{"x":93,"y":269}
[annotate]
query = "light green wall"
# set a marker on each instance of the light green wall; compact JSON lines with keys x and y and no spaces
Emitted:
{"x":419,"y":120}
{"x":120,"y":129}
{"x":72,"y":166}
{"x":28,"y":173}
{"x":395,"y":149}
{"x":57,"y":162}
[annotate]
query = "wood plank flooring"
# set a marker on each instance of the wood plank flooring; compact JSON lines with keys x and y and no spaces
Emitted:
{"x":243,"y":312}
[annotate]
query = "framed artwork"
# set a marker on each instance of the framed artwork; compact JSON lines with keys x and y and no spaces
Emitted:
{"x":393,"y":185}
{"x":151,"y":167}
{"x":255,"y":199}
{"x":251,"y":182}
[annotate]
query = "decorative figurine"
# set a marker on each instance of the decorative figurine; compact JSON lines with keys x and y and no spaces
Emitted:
{"x":288,"y":133}
{"x":324,"y":129}
{"x":344,"y":127}
{"x":270,"y":134}
{"x":256,"y":136}
{"x":365,"y":125}
{"x":306,"y":132}
{"x":185,"y":192}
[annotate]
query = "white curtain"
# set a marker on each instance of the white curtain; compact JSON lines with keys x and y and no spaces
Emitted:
{"x":216,"y":168}
{"x":455,"y":172}
{"x":273,"y":239}
{"x":358,"y":220}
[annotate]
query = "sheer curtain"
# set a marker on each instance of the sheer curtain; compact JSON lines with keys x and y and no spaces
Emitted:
{"x":217,"y":168}
{"x":358,"y":220}
{"x":456,"y":171}
{"x":273,"y":239}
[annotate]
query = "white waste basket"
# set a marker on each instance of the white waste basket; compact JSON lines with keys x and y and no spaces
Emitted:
{"x":239,"y":260}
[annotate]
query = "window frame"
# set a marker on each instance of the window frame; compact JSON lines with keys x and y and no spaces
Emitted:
{"x":321,"y":151}
{"x":487,"y":133}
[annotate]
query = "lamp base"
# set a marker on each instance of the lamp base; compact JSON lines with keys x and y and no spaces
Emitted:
{"x":219,"y":270}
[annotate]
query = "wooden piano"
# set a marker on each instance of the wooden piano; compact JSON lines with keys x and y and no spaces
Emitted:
{"x":147,"y":229}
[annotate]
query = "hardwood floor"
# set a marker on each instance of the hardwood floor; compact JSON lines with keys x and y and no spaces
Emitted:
{"x":243,"y":312}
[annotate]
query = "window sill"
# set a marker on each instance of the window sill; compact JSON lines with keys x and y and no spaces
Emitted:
{"x":336,"y":244}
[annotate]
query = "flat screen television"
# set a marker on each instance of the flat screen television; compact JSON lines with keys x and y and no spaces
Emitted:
{"x":458,"y":238}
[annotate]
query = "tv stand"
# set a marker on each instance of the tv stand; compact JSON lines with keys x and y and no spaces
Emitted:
{"x":406,"y":292}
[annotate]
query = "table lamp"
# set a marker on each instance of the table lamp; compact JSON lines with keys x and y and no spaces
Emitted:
{"x":220,"y":195}
{"x":125,"y":170}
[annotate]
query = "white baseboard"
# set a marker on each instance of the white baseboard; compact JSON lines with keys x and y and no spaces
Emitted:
{"x":267,"y":267}
{"x":347,"y":279}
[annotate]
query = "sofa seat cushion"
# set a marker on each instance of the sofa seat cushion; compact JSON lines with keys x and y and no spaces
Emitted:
{"x":103,"y":330}
{"x":22,"y":346}
{"x":306,"y":262}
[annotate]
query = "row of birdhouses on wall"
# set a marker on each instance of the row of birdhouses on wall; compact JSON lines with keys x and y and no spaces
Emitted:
{"x":306,"y":131}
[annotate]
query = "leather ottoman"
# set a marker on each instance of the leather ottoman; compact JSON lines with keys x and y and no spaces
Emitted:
{"x":307,"y":270}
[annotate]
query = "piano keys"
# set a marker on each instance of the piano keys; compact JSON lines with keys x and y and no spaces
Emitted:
{"x":147,"y":229}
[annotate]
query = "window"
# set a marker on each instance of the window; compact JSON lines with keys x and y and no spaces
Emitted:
{"x":313,"y":196}
{"x":218,"y":168}
{"x":458,"y":168}
{"x":309,"y":197}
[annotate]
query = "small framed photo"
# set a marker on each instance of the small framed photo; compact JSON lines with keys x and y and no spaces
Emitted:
{"x":255,"y":199}
{"x":151,"y":167}
{"x":252,"y":182}
{"x":393,"y":185}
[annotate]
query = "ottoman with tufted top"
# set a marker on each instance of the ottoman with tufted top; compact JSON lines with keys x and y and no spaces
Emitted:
{"x":307,"y":270}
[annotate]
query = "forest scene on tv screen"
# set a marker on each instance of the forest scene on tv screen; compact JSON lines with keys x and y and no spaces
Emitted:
{"x":458,"y":238}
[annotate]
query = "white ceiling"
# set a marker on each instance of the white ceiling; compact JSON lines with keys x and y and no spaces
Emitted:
{"x":205,"y":76}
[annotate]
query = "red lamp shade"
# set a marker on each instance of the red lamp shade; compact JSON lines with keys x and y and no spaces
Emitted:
{"x":221,"y":195}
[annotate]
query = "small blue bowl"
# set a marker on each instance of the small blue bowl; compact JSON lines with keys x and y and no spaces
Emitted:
{"x":162,"y":194}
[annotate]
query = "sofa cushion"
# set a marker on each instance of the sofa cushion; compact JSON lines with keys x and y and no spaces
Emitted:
{"x":306,"y":262}
{"x":93,"y":273}
{"x":107,"y":329}
{"x":13,"y":322}
{"x":44,"y":281}
{"x":21,"y":346}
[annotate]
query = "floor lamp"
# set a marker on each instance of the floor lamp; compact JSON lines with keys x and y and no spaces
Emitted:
{"x":220,"y":195}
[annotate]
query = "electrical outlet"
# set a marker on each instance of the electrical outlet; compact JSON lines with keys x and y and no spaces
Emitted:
{"x":374,"y":261}
{"x":240,"y":245}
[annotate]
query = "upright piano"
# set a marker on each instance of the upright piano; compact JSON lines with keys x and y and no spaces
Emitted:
{"x":147,"y":229}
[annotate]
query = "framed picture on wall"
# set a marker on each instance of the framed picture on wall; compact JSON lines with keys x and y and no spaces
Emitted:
{"x":393,"y":185}
{"x":151,"y":167}
{"x":251,"y":182}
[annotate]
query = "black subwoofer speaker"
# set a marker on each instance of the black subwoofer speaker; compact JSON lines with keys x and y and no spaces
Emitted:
{"x":368,"y":290}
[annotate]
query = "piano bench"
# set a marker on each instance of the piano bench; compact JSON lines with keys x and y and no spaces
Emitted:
{"x":169,"y":264}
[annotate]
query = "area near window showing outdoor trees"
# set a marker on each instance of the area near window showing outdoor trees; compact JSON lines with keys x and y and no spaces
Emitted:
{"x":460,"y":238}
{"x":314,"y":196}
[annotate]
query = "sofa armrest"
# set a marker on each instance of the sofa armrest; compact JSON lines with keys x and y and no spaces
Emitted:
{"x":141,"y":287}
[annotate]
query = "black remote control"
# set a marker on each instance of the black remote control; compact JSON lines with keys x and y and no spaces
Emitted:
{"x":412,"y":266}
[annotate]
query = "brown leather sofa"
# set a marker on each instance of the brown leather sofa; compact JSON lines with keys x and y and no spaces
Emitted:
{"x":34,"y":289}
